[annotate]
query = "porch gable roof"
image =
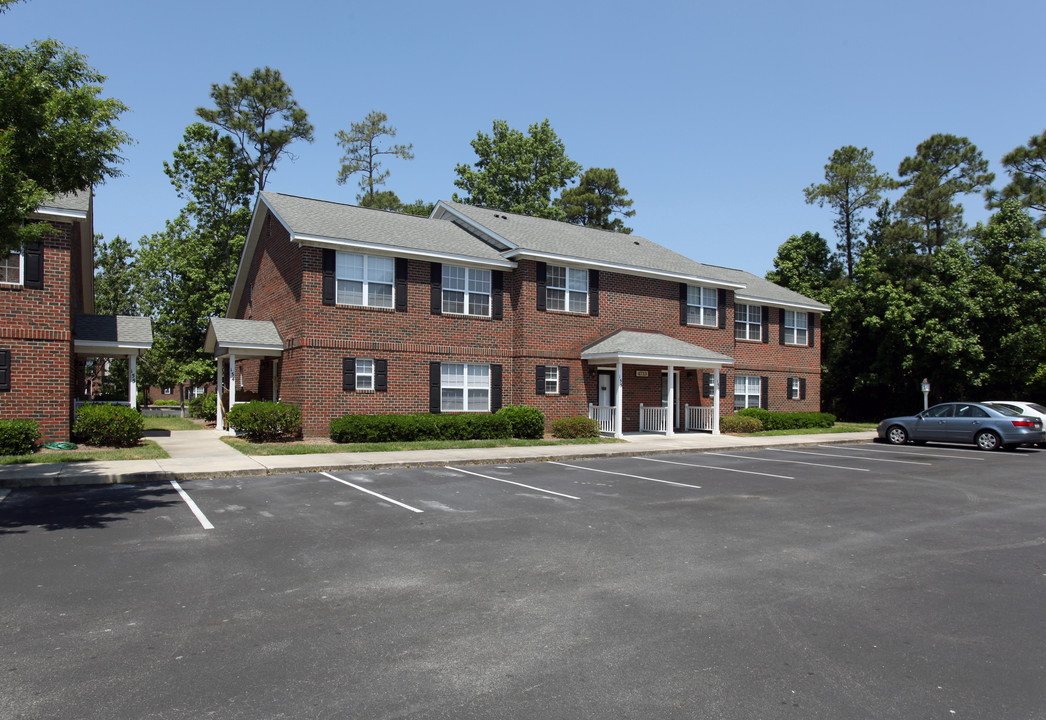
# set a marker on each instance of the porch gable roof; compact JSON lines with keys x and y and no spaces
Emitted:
{"x":645,"y":347}
{"x":231,"y":336}
{"x":109,"y":335}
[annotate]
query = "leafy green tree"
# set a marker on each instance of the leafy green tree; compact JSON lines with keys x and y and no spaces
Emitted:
{"x":852,"y":185}
{"x":517,"y":172}
{"x":943,"y":168}
{"x":362,"y":148}
{"x":57,"y":134}
{"x":6,"y":4}
{"x":115,"y":277}
{"x":598,"y":195}
{"x":805,"y":264}
{"x":1027,"y":168}
{"x":250,"y":109}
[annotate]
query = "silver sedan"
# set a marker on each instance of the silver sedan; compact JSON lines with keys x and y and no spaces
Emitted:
{"x":987,"y":427}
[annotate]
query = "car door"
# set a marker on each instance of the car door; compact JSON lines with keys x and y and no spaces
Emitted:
{"x":965,"y":423}
{"x":931,"y":424}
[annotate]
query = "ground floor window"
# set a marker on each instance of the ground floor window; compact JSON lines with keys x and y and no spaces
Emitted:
{"x":747,"y":391}
{"x":464,"y":387}
{"x":364,"y":374}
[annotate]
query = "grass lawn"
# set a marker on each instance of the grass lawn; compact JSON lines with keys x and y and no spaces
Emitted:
{"x":146,"y":450}
{"x":303,"y":448}
{"x":839,"y":427}
{"x":169,"y":422}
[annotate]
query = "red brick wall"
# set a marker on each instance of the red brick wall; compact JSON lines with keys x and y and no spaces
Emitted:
{"x":286,"y":282}
{"x":36,"y":326}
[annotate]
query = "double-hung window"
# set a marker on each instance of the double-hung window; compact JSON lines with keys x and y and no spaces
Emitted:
{"x":466,"y":291}
{"x":702,"y":306}
{"x":567,"y":289}
{"x":748,"y":322}
{"x":11,"y":269}
{"x":552,"y":380}
{"x":464,"y":387}
{"x":364,"y":374}
{"x":746,"y":392}
{"x":795,"y":328}
{"x":365,"y":280}
{"x":795,"y":388}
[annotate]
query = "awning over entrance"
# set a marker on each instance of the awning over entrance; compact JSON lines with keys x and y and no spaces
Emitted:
{"x":114,"y":336}
{"x":641,"y":347}
{"x":229,"y":338}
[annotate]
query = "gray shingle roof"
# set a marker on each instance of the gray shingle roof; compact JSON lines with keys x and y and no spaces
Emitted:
{"x":321,"y":219}
{"x":638,"y":344}
{"x":120,"y":329}
{"x":77,"y":202}
{"x":231,"y":334}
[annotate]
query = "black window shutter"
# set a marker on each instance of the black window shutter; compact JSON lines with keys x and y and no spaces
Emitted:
{"x":782,"y":326}
{"x":593,"y":293}
{"x":706,"y":384}
{"x":722,"y":384}
{"x":722,"y":309}
{"x":764,"y":392}
{"x":766,"y":323}
{"x":348,"y":373}
{"x":810,"y":329}
{"x":434,"y":387}
{"x":329,"y":264}
{"x":5,"y":370}
{"x":539,"y":379}
{"x":381,"y":376}
{"x":788,"y":388}
{"x":802,"y":388}
{"x":495,"y":388}
{"x":497,"y":294}
{"x":436,"y":288}
{"x":33,"y":256}
{"x":683,"y":313}
{"x":401,"y":284}
{"x":542,"y":282}
{"x":564,"y":379}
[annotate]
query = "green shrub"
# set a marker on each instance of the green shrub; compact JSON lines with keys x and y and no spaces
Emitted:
{"x":575,"y":427}
{"x":740,"y":424}
{"x":166,"y":403}
{"x":18,"y":437}
{"x":789,"y":420}
{"x":204,"y":407}
{"x":108,"y":425}
{"x":412,"y":428}
{"x":527,"y":422}
{"x":265,"y":421}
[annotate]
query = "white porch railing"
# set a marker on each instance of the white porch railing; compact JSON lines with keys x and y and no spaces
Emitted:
{"x":604,"y":415}
{"x":653,"y":419}
{"x":700,"y":418}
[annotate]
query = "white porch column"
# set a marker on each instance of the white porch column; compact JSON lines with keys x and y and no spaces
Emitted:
{"x":671,"y":421}
{"x":715,"y":400}
{"x":220,"y":424}
{"x":619,"y":401}
{"x":132,"y":380}
{"x":232,"y":380}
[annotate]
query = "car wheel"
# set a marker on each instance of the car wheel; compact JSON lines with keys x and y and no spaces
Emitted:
{"x":897,"y":435}
{"x":987,"y":440}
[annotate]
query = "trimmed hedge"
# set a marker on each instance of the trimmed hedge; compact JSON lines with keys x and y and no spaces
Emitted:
{"x":204,"y":407}
{"x":108,"y":425}
{"x":527,"y":422}
{"x":575,"y":427}
{"x":410,"y":428}
{"x":18,"y":437}
{"x":740,"y":424}
{"x":789,"y":420}
{"x":265,"y":421}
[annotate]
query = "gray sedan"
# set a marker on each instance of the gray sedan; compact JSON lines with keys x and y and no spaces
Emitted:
{"x":987,"y":427}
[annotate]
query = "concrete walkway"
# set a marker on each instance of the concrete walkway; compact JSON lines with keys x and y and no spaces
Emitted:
{"x":203,"y":454}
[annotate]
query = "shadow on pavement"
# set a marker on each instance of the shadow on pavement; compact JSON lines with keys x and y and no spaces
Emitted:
{"x":79,"y":508}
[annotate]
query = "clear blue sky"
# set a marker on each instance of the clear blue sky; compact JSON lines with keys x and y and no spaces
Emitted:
{"x":715,"y":115}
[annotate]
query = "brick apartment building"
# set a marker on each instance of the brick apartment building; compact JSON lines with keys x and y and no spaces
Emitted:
{"x":340,"y":309}
{"x":47,"y":329}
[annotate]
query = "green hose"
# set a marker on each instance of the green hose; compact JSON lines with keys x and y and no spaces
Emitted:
{"x":59,"y":446}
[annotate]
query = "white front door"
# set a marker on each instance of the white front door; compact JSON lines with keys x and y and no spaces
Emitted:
{"x":606,"y":389}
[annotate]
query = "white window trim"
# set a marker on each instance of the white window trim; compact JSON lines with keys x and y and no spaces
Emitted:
{"x":794,"y":329}
{"x":21,"y":270}
{"x":700,"y":306}
{"x":467,"y":293}
{"x":748,"y":323}
{"x":748,"y":394}
{"x":567,"y":272}
{"x":794,"y":388}
{"x":552,"y":380}
{"x":360,"y":374}
{"x":366,"y":282}
{"x":465,"y":387}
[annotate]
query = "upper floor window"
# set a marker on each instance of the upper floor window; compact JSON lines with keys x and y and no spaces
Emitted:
{"x":795,"y":328}
{"x":464,"y":387}
{"x":365,"y":280}
{"x":702,"y":306}
{"x":466,"y":291}
{"x":11,"y":269}
{"x":567,"y":289}
{"x":748,"y":322}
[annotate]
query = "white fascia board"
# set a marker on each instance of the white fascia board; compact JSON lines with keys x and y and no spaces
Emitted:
{"x":779,"y":304}
{"x":61,"y":214}
{"x":400,"y":251}
{"x":623,"y":269}
{"x":87,"y":347}
{"x":440,"y":206}
{"x":223,"y":351}
{"x":639,"y":359}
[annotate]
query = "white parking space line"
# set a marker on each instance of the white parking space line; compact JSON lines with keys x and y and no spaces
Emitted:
{"x":793,"y":462}
{"x":192,"y":506}
{"x":638,"y":477}
{"x":512,"y":482}
{"x":910,"y":453}
{"x":714,"y":467}
{"x":371,"y":492}
{"x":851,"y":457}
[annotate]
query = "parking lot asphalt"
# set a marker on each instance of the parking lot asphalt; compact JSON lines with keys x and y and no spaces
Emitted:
{"x":827,"y":581}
